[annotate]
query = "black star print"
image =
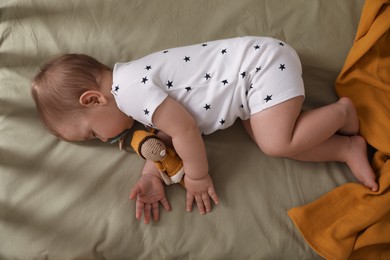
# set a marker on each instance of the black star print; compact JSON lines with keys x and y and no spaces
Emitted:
{"x":144,"y":80}
{"x":282,"y":67}
{"x":251,"y":86}
{"x":204,"y":44}
{"x":224,"y":82}
{"x":165,"y":52}
{"x":188,"y":89}
{"x":207,"y":107}
{"x":222,"y":121}
{"x":146,"y":111}
{"x":207,"y":76}
{"x":243,"y":74}
{"x":186,"y":59}
{"x":281,"y":43}
{"x":169,"y":84}
{"x":223,"y":51}
{"x":241,"y":106}
{"x":258,"y":69}
{"x":268,"y":98}
{"x":116,"y":88}
{"x":256,"y":47}
{"x":148,"y":67}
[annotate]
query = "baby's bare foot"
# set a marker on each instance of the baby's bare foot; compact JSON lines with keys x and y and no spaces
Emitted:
{"x":352,"y":125}
{"x":358,"y":162}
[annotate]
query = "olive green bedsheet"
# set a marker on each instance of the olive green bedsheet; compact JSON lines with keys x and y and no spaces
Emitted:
{"x":61,"y":200}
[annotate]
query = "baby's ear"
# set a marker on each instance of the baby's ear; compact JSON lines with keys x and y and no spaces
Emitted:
{"x":91,"y":98}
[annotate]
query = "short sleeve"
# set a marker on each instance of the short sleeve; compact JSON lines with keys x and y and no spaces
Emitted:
{"x":136,"y":99}
{"x":141,"y":102}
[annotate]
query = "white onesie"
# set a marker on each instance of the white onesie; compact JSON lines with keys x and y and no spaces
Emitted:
{"x":217,"y":82}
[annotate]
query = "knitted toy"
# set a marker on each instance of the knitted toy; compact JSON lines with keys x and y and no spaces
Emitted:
{"x":150,"y":147}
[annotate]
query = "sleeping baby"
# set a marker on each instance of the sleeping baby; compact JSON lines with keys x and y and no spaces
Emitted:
{"x":195,"y":90}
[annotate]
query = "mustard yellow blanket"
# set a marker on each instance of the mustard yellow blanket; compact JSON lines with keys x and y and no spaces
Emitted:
{"x":352,"y":222}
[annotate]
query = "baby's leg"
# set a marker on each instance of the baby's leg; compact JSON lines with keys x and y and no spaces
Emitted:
{"x":349,"y":149}
{"x":283,"y":131}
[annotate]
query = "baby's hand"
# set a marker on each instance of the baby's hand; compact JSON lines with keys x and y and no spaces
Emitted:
{"x":149,"y":191}
{"x":201,"y":190}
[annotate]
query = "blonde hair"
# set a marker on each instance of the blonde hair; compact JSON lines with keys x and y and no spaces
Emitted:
{"x":61,"y":81}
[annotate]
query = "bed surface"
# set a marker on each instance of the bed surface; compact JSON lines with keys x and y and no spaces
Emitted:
{"x":61,"y":200}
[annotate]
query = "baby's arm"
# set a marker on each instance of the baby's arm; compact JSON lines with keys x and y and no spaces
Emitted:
{"x":148,"y":192}
{"x":173,"y":119}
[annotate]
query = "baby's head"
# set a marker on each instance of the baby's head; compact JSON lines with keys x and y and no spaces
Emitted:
{"x":68,"y":91}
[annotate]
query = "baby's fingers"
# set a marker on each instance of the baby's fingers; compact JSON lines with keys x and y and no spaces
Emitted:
{"x":135,"y":191}
{"x":165,"y":204}
{"x":213,"y":195}
{"x":139,"y":208}
{"x":200,"y":199}
{"x":206,"y":202}
{"x":155,"y":211}
{"x":189,"y":199}
{"x":147,"y":210}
